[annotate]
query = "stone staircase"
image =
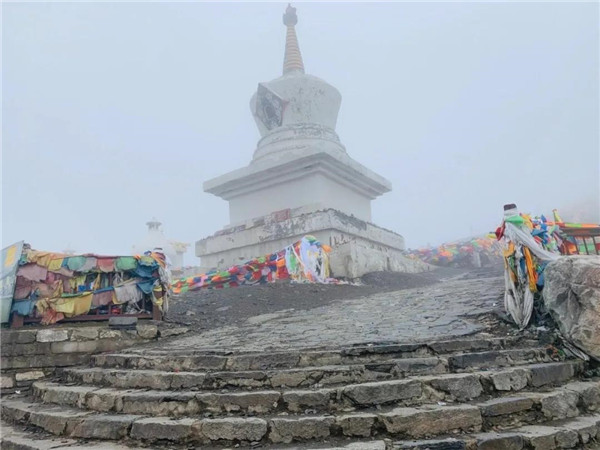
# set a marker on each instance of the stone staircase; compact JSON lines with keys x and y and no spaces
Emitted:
{"x":471,"y":393}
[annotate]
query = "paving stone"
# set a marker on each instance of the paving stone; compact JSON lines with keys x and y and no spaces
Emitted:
{"x":10,"y":337}
{"x":183,"y":380}
{"x":36,"y":348}
{"x":539,"y":437}
{"x":585,"y":427}
{"x":356,"y":424}
{"x":510,"y":380}
{"x":74,"y":347}
{"x":298,"y":401}
{"x":104,"y":426}
{"x":263,"y":361}
{"x":175,"y":331}
{"x":382,"y":392}
{"x":6,"y":381}
{"x":52,"y":335}
{"x":15,"y":410}
{"x":147,"y":331}
{"x":158,"y":403}
{"x":159,"y":428}
{"x":461,"y":387}
{"x":416,"y":366}
{"x":55,"y":420}
{"x":505,"y":405}
{"x":424,"y":422}
{"x":560,"y":405}
{"x":288,"y":378}
{"x":499,"y":441}
{"x":30,"y":375}
{"x":84,"y":334}
{"x":252,"y":402}
{"x":443,"y":444}
{"x":233,"y":428}
{"x":589,"y":394}
{"x":62,"y":395}
{"x":122,"y":322}
{"x":302,"y":428}
{"x":552,"y":373}
{"x":566,"y":439}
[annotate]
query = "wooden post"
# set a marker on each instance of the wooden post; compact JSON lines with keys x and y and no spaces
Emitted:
{"x":16,"y":320}
{"x":156,"y":312}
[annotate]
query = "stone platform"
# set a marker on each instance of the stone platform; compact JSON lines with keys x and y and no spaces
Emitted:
{"x":404,"y":370}
{"x":359,"y":247}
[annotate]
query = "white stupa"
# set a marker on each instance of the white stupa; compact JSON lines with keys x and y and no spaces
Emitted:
{"x":156,"y":239}
{"x":301,"y":181}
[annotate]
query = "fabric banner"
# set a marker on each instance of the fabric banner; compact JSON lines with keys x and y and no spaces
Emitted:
{"x":10,"y":262}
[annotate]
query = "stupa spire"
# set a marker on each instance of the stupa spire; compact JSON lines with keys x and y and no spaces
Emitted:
{"x":293,"y":58}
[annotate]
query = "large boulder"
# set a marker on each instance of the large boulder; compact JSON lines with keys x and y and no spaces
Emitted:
{"x":572,"y":295}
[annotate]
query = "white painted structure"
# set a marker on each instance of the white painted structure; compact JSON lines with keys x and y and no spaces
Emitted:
{"x":301,"y":181}
{"x":156,"y":239}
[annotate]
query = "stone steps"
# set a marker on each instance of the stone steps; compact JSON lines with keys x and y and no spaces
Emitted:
{"x":409,"y":391}
{"x":14,"y":438}
{"x":580,"y":432}
{"x":208,"y":362}
{"x":571,"y":400}
{"x":164,"y":374}
{"x":220,"y":361}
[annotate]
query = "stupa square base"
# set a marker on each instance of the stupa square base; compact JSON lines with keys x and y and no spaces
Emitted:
{"x":358,"y":247}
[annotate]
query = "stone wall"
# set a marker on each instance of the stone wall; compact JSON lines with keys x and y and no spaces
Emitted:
{"x":30,"y":354}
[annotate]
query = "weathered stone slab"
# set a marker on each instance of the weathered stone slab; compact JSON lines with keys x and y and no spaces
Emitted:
{"x":158,"y":428}
{"x":551,"y":373}
{"x":147,"y":331}
{"x":253,"y":402}
{"x":382,"y":392}
{"x":424,"y":422}
{"x":560,"y":405}
{"x":499,"y":441}
{"x":29,"y":375}
{"x":510,"y":380}
{"x":74,"y":347}
{"x":301,"y":428}
{"x":36,"y":348}
{"x":461,"y":387}
{"x":10,"y":337}
{"x":505,"y":405}
{"x":52,"y":335}
{"x":298,"y":401}
{"x":356,"y":424}
{"x":104,"y":426}
{"x":84,"y":333}
{"x":434,"y":444}
{"x":234,"y":428}
{"x":6,"y":382}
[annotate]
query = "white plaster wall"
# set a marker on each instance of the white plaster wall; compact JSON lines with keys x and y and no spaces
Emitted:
{"x":351,"y":256}
{"x":310,"y":100}
{"x":300,"y":192}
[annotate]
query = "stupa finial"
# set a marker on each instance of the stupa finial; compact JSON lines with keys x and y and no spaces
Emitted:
{"x":293,"y":58}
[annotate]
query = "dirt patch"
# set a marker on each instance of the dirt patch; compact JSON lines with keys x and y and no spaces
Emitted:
{"x":208,"y":309}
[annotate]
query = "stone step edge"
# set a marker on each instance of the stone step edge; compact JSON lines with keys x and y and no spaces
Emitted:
{"x":17,"y":439}
{"x":436,"y":347}
{"x":269,"y":379}
{"x":456,"y":360}
{"x":408,"y":422}
{"x":295,"y":377}
{"x":405,"y":391}
{"x":550,"y":435}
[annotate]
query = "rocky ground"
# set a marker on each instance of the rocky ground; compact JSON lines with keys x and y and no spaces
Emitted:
{"x":387,"y":307}
{"x":209,"y":309}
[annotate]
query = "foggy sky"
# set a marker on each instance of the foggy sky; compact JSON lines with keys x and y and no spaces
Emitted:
{"x":115,"y":113}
